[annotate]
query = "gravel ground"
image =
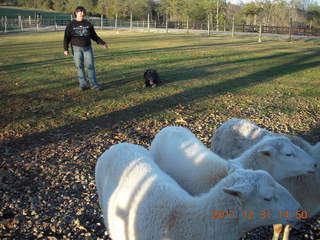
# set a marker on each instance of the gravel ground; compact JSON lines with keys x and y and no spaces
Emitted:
{"x":48,"y":192}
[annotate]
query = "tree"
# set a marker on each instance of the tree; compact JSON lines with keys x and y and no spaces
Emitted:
{"x":60,"y":5}
{"x":313,"y":15}
{"x":136,"y":9}
{"x":252,"y":11}
{"x":171,"y":9}
{"x":101,"y":7}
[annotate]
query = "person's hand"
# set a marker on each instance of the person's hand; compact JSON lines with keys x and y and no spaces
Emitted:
{"x":66,"y":53}
{"x":105,"y":45}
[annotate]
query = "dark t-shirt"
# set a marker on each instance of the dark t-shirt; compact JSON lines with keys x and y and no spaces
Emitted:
{"x":79,"y":34}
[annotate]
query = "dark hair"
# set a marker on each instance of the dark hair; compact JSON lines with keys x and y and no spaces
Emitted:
{"x":79,"y":9}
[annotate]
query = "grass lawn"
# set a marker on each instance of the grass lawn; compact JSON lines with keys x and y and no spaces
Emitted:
{"x":274,"y":83}
{"x":51,"y":134}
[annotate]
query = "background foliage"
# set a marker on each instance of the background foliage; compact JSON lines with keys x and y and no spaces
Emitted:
{"x":275,"y":13}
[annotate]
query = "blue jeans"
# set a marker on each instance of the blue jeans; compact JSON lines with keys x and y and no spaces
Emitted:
{"x":81,"y":56}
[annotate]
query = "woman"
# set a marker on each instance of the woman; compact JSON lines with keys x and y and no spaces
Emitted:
{"x":79,"y":32}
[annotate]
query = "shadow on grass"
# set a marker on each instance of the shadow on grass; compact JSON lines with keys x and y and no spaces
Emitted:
{"x":106,"y":121}
{"x":19,"y":66}
{"x":122,"y":78}
{"x":175,"y":49}
{"x":142,"y":66}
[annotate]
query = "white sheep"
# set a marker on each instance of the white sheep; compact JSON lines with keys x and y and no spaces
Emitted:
{"x":141,"y":202}
{"x":236,"y":135}
{"x":306,"y":189}
{"x":181,"y":155}
{"x":313,"y":150}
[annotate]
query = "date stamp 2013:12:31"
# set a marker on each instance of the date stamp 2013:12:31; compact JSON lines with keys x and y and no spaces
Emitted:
{"x":249,"y":214}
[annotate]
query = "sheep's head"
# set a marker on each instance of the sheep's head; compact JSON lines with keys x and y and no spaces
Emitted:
{"x":281,"y":158}
{"x":262,"y":198}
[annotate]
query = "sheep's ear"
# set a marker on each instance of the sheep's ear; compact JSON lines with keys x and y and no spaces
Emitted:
{"x":266,"y":151}
{"x":232,"y":192}
{"x":239,"y":190}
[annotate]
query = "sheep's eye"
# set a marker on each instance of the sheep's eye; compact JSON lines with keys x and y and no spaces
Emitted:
{"x":267,"y":199}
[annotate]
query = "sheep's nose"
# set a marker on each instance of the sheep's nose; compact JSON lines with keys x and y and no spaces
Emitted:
{"x":311,"y":172}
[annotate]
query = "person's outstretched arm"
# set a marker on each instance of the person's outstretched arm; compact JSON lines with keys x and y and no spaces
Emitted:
{"x":94,"y":36}
{"x":67,"y":39}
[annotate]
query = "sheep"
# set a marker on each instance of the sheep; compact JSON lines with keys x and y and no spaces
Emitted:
{"x":235,"y":136}
{"x":306,"y":190}
{"x":141,"y":202}
{"x":241,"y":134}
{"x":180,"y":154}
{"x":313,"y":150}
{"x":246,"y":133}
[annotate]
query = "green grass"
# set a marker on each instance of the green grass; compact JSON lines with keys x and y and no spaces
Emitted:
{"x":274,"y":81}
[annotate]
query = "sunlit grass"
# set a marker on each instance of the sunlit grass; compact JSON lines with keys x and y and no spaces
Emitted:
{"x":39,"y":87}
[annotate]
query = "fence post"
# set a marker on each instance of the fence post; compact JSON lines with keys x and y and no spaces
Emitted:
{"x":188,"y":24}
{"x":21,"y":23}
{"x":101,"y":21}
{"x":148,"y":22}
{"x":130,"y":21}
{"x":37,"y":22}
{"x":55,"y":23}
{"x":290,"y":29}
{"x":166,"y":23}
{"x":29,"y":21}
{"x":5,"y":23}
{"x":208,"y":24}
{"x":116,"y":22}
{"x":232,"y":34}
{"x":260,"y":33}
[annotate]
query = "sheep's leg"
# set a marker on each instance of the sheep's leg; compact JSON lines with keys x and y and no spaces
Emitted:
{"x":277,"y":228}
{"x":286,"y":232}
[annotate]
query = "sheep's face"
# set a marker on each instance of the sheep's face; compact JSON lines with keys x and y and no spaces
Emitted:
{"x":267,"y":203}
{"x":284,"y":159}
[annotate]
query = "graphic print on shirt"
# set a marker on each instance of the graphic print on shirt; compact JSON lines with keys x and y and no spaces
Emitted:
{"x":82,"y":31}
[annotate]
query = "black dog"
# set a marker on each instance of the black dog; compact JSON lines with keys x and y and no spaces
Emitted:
{"x":151,"y":78}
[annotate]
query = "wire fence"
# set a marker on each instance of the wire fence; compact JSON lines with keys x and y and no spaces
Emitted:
{"x":23,"y":24}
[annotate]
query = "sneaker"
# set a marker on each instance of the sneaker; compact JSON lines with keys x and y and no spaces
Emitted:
{"x":97,"y":88}
{"x":84,"y":88}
